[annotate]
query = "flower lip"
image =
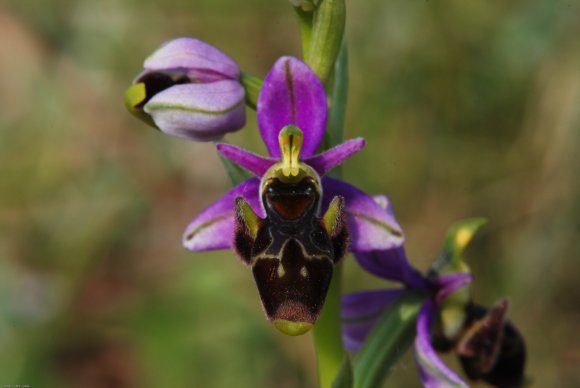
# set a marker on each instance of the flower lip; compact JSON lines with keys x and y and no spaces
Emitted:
{"x":292,"y":328}
{"x":292,"y":201}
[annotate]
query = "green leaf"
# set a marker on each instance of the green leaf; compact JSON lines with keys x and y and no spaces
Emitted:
{"x":236,"y":173}
{"x":345,"y":376}
{"x":458,"y":237}
{"x":252,"y":86}
{"x":338,"y":98}
{"x":388,"y":341}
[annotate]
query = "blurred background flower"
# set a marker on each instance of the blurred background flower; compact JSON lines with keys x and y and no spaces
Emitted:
{"x":469,"y":109}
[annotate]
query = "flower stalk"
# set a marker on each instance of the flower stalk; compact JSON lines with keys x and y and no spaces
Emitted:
{"x":326,"y":37}
{"x":327,"y":333}
{"x":305,"y":18}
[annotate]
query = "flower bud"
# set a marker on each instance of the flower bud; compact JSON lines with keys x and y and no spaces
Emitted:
{"x":304,"y":5}
{"x":189,"y":89}
{"x":453,"y":309}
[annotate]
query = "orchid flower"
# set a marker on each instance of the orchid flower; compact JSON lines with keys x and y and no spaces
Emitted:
{"x":488,"y":345}
{"x":289,"y":196}
{"x":189,"y":89}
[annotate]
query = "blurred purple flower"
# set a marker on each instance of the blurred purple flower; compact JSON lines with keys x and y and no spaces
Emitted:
{"x":189,"y":89}
{"x":488,"y":345}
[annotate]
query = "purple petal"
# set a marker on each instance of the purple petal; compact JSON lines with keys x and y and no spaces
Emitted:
{"x":354,"y":334}
{"x":214,"y":227}
{"x":201,"y":112}
{"x":393,"y":265}
{"x":385,"y":203}
{"x":447,"y":284}
{"x":434,"y":373}
{"x":361,"y":311}
{"x":331,"y":158}
{"x":256,"y":164}
{"x":370,"y":226}
{"x":198,"y":60}
{"x":364,"y":304}
{"x":292,"y":94}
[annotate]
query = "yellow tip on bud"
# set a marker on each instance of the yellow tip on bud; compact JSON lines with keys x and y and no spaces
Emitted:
{"x":134,"y":97}
{"x":292,"y":328}
{"x":463,"y":237}
{"x":290,"y":139}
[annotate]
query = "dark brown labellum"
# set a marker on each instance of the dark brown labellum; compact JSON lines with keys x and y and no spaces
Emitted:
{"x":292,"y":250}
{"x":492,"y":349}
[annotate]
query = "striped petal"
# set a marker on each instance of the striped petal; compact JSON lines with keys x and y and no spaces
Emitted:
{"x":370,"y":226}
{"x":331,"y":158}
{"x":292,"y":94}
{"x":214,"y":227}
{"x":433,"y":371}
{"x":199,"y":61}
{"x":361,"y":311}
{"x":256,"y":164}
{"x":201,"y":112}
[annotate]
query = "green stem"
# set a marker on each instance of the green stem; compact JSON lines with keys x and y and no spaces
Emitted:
{"x":338,"y":99}
{"x":327,"y":331}
{"x":388,"y":341}
{"x":327,"y":335}
{"x":305,"y":23}
{"x":326,"y":37}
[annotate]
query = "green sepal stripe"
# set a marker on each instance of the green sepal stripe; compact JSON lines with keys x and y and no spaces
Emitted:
{"x":153,"y":106}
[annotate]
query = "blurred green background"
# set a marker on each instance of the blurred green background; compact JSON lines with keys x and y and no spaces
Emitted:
{"x":470,"y":108}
